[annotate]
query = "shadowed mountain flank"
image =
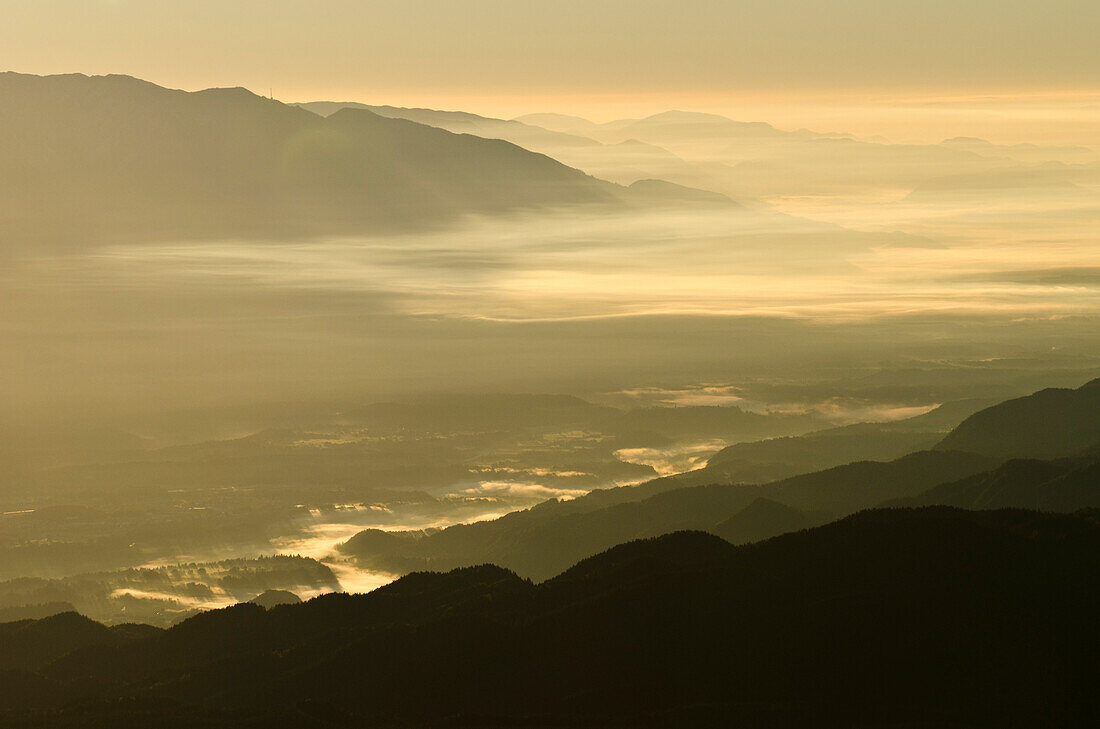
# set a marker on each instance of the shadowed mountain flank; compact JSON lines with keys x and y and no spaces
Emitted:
{"x":625,"y":161}
{"x":1062,"y":485}
{"x":540,"y":541}
{"x":762,"y":519}
{"x":771,"y":459}
{"x":273,"y":598}
{"x":1052,"y":423}
{"x":119,"y":158}
{"x":543,"y":540}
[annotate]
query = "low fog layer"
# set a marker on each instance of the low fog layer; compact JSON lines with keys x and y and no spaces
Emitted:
{"x":544,"y":303}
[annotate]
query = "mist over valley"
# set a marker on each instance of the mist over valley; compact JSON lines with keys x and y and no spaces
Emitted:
{"x":330,"y":408}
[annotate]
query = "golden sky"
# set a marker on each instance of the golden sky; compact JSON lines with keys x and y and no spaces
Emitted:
{"x":601,"y":58}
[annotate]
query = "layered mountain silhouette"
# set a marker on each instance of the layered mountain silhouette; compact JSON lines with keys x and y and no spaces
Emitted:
{"x":1022,"y":152}
{"x":543,"y":540}
{"x":119,"y":158}
{"x":669,"y":124}
{"x":882,"y":619}
{"x":960,"y":471}
{"x":1052,"y":423}
{"x":753,"y":160}
{"x":762,"y":519}
{"x":529,"y":136}
{"x":1061,"y":485}
{"x":625,"y":161}
{"x":776,"y":458}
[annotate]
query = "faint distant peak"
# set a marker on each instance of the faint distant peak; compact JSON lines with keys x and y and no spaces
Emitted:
{"x":273,"y":598}
{"x":967,"y":140}
{"x":677,"y":115}
{"x":558,"y":122}
{"x":229,"y":92}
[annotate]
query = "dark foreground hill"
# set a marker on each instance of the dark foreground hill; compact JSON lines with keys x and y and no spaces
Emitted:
{"x":894,"y":618}
{"x":32,"y":644}
{"x":115,"y":158}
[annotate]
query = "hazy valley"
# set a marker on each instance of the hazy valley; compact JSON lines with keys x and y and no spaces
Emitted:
{"x":314,"y":411}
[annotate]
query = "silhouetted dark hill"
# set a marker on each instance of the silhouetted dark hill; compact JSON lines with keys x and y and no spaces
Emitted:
{"x":1062,"y":485}
{"x":31,"y":644}
{"x":467,"y":589}
{"x":889,"y":618}
{"x":674,"y":553}
{"x":762,"y":519}
{"x":1052,"y":423}
{"x":273,"y":598}
{"x":111,"y":156}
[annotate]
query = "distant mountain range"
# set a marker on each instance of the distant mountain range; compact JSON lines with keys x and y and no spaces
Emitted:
{"x":623,"y":161}
{"x":755,"y":160}
{"x":115,"y":158}
{"x":460,"y":122}
{"x":1023,"y":152}
{"x":670,"y":124}
{"x":894,"y":618}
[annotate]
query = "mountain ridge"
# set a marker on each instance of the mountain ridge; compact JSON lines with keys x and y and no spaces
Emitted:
{"x":127,"y":157}
{"x":683,"y":629}
{"x":1070,"y":423}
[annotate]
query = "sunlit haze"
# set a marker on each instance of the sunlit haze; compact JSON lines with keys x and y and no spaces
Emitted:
{"x":831,"y":62}
{"x":549,"y":364}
